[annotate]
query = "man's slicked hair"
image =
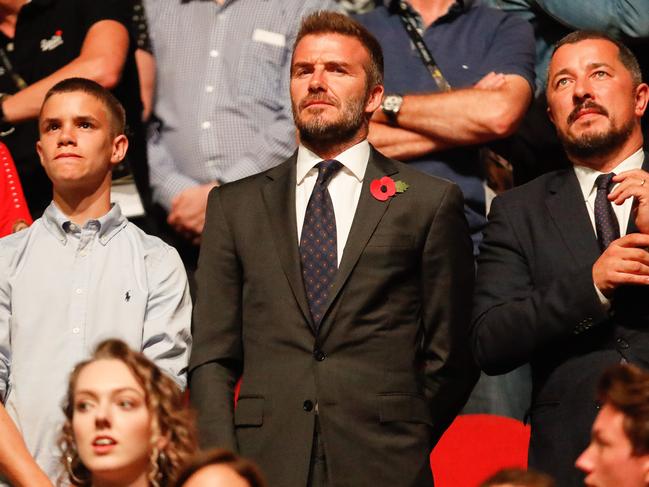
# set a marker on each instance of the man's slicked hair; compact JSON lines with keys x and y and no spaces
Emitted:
{"x":626,"y":388}
{"x":115,"y":110}
{"x":626,"y":57}
{"x":326,"y":22}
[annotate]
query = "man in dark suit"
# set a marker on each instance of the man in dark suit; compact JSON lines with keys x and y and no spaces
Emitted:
{"x":557,"y":285}
{"x":336,"y":285}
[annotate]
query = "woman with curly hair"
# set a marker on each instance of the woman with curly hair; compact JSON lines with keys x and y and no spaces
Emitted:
{"x":126,"y":422}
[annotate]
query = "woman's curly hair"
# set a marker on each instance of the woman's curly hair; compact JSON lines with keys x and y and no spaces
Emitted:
{"x":171,"y":419}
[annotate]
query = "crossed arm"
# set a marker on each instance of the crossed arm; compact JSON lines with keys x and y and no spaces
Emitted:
{"x":489,"y":110}
{"x":99,"y":60}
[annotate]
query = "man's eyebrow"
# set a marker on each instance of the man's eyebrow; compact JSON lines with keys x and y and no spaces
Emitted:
{"x":589,"y":66}
{"x":47,"y":121}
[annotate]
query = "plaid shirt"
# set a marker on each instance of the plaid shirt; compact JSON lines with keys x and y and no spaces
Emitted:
{"x":222,"y":89}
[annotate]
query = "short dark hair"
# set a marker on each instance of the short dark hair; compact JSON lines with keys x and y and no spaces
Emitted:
{"x":519,"y":478}
{"x":326,"y":22}
{"x":219,"y":456}
{"x":626,"y":57}
{"x":626,"y":388}
{"x":114,"y":108}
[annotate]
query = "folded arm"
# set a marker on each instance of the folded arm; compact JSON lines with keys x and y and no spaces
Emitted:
{"x":102,"y":59}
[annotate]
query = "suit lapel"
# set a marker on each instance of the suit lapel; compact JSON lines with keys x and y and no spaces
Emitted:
{"x":566,"y":205}
{"x":279,"y":197}
{"x":368,"y":214}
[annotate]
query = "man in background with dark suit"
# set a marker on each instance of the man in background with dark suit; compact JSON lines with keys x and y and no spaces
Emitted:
{"x":563,"y":275}
{"x":336,"y":286}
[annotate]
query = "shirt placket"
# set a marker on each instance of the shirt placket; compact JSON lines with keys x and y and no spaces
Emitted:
{"x":81,"y":274}
{"x":211,"y":92}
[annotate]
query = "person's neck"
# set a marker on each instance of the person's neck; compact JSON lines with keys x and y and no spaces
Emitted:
{"x":330,"y":150}
{"x":605,"y":163}
{"x":83,"y":206}
{"x":135,"y":480}
{"x":9,"y":16}
{"x":431,"y":10}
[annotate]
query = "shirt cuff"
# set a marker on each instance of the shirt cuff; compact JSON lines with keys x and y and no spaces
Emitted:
{"x":606,"y":303}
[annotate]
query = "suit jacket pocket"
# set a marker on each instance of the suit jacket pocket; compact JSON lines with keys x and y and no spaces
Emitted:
{"x":249,"y":411}
{"x":410,"y":408}
{"x":393,"y":240}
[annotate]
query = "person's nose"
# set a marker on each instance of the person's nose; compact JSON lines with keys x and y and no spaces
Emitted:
{"x":102,"y":416}
{"x":66,"y":135}
{"x":585,"y":460}
{"x":583,"y":89}
{"x":317,"y":81}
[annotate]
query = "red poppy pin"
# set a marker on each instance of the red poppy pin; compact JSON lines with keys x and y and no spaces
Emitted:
{"x":386,"y":187}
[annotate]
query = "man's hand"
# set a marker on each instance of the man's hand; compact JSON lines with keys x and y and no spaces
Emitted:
{"x":625,"y":261}
{"x":634,"y":184}
{"x":187,"y":215}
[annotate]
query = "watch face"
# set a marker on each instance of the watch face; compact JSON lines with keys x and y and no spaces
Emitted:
{"x":392,"y":103}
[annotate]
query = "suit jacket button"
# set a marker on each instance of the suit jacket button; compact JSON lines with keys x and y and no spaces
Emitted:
{"x":622,"y":342}
{"x":307,"y":406}
{"x":319,"y":355}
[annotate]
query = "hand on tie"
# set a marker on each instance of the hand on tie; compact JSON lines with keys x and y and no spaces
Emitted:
{"x":634,"y":184}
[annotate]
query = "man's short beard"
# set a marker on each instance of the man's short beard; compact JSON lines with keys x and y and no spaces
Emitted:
{"x":597,"y":144}
{"x":318,"y":133}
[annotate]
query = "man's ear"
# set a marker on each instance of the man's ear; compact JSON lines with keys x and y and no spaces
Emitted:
{"x":39,"y":150}
{"x":641,"y":99}
{"x":548,"y":110}
{"x":119,"y":148}
{"x":375,"y":99}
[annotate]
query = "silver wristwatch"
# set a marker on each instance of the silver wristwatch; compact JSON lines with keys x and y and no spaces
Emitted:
{"x":391,"y":105}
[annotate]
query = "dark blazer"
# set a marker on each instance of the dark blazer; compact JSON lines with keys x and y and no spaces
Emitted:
{"x":390,"y":365}
{"x":535,"y":301}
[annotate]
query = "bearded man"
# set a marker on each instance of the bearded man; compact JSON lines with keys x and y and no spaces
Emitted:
{"x":337,"y":287}
{"x":563,"y":277}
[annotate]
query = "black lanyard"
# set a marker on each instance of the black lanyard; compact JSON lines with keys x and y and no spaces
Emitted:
{"x":17,"y":79}
{"x":410,"y":24}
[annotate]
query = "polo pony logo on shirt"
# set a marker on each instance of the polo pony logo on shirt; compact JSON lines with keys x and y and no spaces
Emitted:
{"x":127,"y":296}
{"x":52,"y":43}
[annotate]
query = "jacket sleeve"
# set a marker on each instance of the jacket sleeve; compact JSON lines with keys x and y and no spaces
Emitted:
{"x":216,"y":360}
{"x":447,"y":286}
{"x":515,"y":317}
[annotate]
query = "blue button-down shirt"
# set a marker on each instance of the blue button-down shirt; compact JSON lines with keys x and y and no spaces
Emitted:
{"x":222,"y":89}
{"x":65,"y":288}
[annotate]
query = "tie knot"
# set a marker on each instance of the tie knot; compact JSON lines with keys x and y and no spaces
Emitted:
{"x":604,"y":182}
{"x":326,"y":170}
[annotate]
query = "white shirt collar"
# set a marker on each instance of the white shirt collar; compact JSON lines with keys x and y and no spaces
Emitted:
{"x":587,"y":176}
{"x":354,"y":160}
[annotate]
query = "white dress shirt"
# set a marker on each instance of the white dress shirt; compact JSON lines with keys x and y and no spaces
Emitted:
{"x":587,"y":176}
{"x":344,"y":188}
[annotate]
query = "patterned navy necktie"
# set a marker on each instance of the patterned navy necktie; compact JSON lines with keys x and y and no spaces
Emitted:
{"x":606,"y":224}
{"x":318,"y":242}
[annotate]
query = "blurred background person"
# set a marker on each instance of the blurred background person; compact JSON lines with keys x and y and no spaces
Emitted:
{"x":220,"y":468}
{"x":618,"y":454}
{"x":126,"y":422}
{"x":222,"y":109}
{"x":517,"y":477}
{"x":14,"y":213}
